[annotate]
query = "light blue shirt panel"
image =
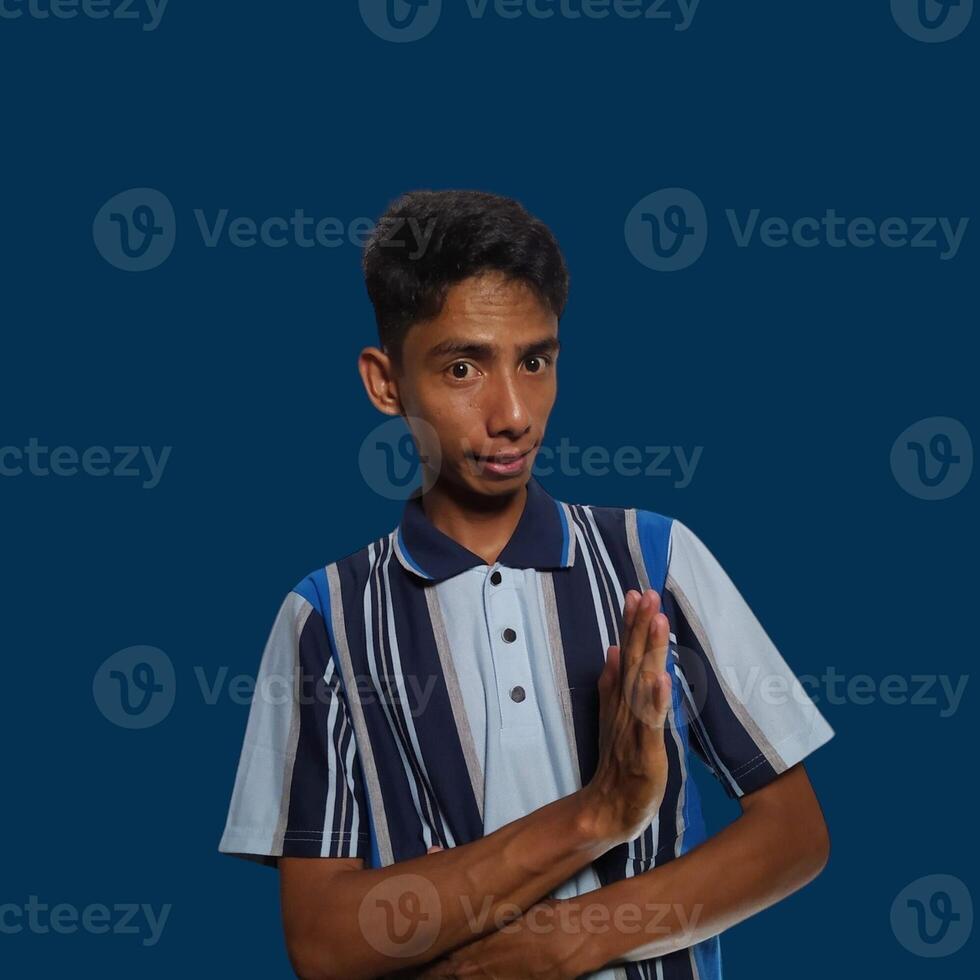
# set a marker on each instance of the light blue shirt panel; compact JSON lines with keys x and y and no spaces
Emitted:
{"x":522,"y":746}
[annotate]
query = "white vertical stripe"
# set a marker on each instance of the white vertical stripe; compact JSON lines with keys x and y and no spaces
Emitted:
{"x":702,"y":731}
{"x":372,"y":659}
{"x":620,"y":597}
{"x":597,"y":602}
{"x":407,"y":718}
{"x":333,"y":747}
{"x":355,"y":825}
{"x":679,"y":824}
{"x":363,"y":749}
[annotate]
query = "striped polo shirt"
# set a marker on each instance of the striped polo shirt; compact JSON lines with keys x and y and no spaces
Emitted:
{"x":410,"y":694}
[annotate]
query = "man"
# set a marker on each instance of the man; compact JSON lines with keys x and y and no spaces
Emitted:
{"x":483,"y":769}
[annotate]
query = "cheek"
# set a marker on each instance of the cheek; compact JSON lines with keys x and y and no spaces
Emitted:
{"x":443,"y":423}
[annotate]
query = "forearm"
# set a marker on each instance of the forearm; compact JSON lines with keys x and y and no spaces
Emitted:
{"x":751,"y":864}
{"x":454,"y":896}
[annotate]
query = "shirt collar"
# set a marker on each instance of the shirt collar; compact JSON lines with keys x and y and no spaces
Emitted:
{"x":542,"y":539}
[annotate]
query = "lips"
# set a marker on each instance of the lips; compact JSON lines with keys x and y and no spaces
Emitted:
{"x":503,"y":458}
{"x":503,"y":464}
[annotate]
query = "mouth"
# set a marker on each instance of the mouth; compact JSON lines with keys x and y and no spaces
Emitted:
{"x":505,"y":464}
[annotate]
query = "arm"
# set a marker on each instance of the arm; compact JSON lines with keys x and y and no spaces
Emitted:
{"x":334,"y":915}
{"x":775,"y":847}
{"x":778,"y":845}
{"x":337,"y":916}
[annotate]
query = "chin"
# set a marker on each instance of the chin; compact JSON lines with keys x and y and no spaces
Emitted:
{"x":494,"y":484}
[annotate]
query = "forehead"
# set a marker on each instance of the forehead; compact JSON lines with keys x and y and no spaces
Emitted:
{"x":489,"y":309}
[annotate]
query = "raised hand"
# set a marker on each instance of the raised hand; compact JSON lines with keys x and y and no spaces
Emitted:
{"x":634,"y":694}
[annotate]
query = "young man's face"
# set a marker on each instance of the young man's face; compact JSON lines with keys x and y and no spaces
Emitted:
{"x":482,"y":375}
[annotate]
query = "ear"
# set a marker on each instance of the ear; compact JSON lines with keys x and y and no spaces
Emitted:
{"x":377,"y":372}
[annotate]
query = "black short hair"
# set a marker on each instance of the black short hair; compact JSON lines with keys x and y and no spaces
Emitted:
{"x":473,"y":232}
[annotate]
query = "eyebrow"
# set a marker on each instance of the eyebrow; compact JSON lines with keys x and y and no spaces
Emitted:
{"x":482,"y":351}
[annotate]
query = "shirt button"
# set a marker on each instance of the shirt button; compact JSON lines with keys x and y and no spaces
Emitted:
{"x":496,"y":578}
{"x":517,"y":694}
{"x":509,"y":635}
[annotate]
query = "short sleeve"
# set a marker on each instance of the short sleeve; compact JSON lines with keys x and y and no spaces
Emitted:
{"x":750,"y":718}
{"x":299,"y":789}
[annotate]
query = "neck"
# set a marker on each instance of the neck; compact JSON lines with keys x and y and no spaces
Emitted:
{"x":480,"y":523}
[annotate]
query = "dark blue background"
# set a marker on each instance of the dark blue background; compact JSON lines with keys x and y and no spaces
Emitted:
{"x":794,"y":369}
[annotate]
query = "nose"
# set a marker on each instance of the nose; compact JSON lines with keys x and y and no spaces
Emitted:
{"x":507,"y":412}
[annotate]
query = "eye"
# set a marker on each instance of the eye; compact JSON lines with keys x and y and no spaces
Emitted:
{"x":541,"y":359}
{"x":456,"y":373}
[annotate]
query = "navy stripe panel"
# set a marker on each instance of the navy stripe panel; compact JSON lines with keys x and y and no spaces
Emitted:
{"x":611,"y":616}
{"x":653,"y":531}
{"x":387,"y":678}
{"x":316,"y":745}
{"x":404,"y":825}
{"x":677,"y":965}
{"x":712,"y":715}
{"x":432,"y":713}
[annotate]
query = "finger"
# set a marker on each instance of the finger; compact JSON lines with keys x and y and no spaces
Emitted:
{"x":635,"y":648}
{"x":630,"y":602}
{"x":661,"y":698}
{"x":658,"y":644}
{"x":629,"y":610}
{"x":656,"y":668}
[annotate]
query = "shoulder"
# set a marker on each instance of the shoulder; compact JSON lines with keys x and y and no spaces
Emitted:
{"x":321,"y":587}
{"x":645,"y":526}
{"x":635,"y":542}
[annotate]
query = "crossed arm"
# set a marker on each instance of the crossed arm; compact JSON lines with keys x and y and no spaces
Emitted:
{"x":777,"y":845}
{"x":477,"y":911}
